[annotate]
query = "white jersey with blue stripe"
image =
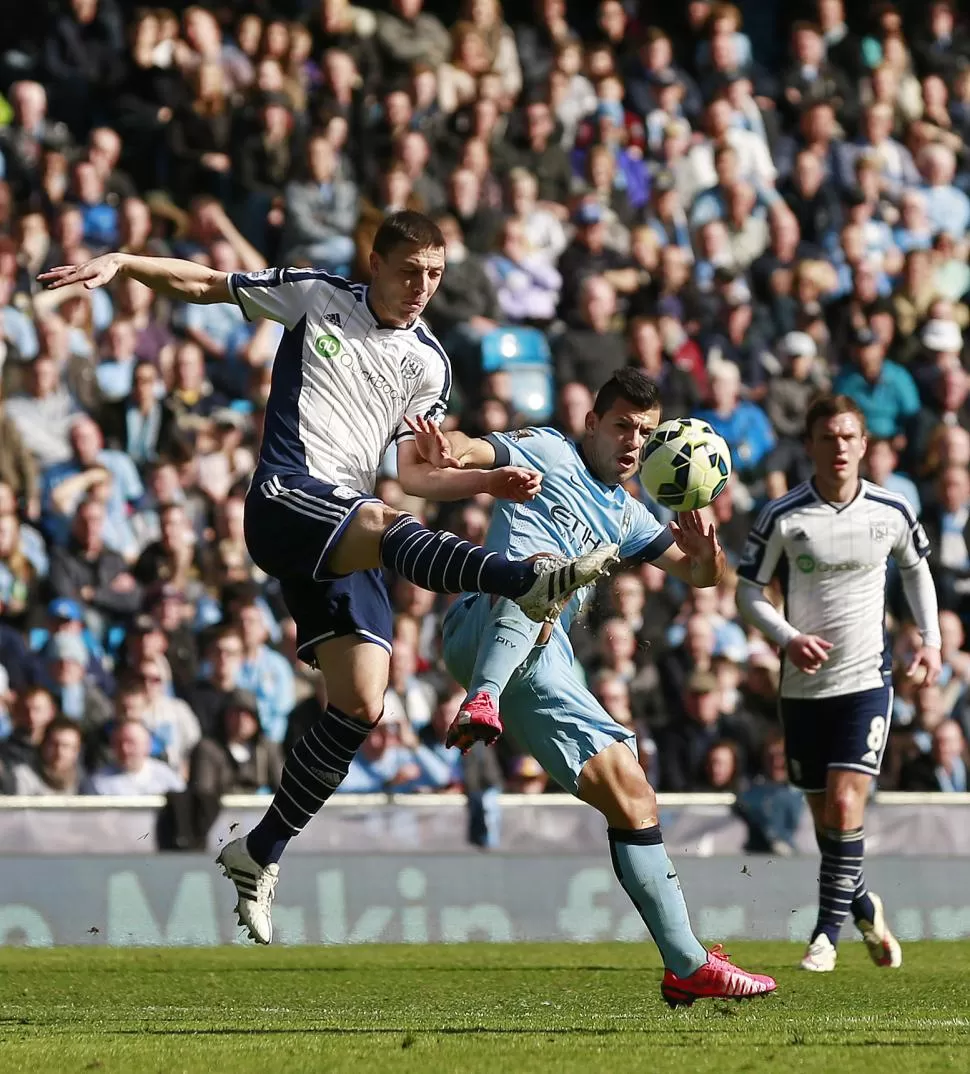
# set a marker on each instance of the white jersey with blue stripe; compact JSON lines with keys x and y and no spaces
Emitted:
{"x":574,"y":511}
{"x":342,"y":382}
{"x":831,"y":559}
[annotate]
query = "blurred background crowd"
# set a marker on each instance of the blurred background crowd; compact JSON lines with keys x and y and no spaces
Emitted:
{"x":751,"y":203}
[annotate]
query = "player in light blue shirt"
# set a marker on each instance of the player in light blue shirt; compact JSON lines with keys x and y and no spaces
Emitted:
{"x":495,"y":651}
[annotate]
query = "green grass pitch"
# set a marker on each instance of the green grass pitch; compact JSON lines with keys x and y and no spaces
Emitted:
{"x":469,"y":1009}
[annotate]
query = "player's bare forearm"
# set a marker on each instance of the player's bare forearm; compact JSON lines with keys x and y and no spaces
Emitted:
{"x":471,"y":452}
{"x":431,"y":483}
{"x":169,"y":276}
{"x":176,"y":278}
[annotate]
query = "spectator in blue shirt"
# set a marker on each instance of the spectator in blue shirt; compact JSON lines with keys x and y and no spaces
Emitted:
{"x":265,"y":672}
{"x":882,"y":458}
{"x":66,"y":484}
{"x":947,"y":208}
{"x":744,"y":426}
{"x":885,"y":391}
{"x":383,"y":763}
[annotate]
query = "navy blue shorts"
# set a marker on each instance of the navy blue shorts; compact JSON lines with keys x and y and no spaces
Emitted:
{"x":291,"y":524}
{"x":835,"y":732}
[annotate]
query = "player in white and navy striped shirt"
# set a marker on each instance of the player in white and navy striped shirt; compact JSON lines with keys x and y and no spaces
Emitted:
{"x":828,"y":543}
{"x":355,"y":368}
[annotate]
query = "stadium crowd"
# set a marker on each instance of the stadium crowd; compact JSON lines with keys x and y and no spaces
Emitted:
{"x":750,"y":213}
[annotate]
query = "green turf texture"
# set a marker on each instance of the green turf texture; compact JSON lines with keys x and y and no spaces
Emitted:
{"x":471,"y":1008}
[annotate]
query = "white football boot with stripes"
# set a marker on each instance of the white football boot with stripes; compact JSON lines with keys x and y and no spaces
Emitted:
{"x":255,"y":886}
{"x":555,"y":584}
{"x":821,"y":955}
{"x":882,"y":946}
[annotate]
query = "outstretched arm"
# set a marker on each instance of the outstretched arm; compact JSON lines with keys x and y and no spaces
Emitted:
{"x":185,"y":281}
{"x":452,"y":466}
{"x":696,"y":556}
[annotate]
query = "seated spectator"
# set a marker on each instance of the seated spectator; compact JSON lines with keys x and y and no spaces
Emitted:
{"x":265,"y":673}
{"x":685,"y":742}
{"x":770,"y":806}
{"x":406,"y":34}
{"x":57,"y":768}
{"x":526,"y":776}
{"x":947,"y":524}
{"x":791,"y":389}
{"x":133,"y":771}
{"x":174,"y":559}
{"x":92,"y":471}
{"x":588,"y":255}
{"x":591,"y":351}
{"x":441,"y":767}
{"x":29,"y":134}
{"x":173,"y":725}
{"x":526,"y":285}
{"x":76,"y":697}
{"x":720,"y":773}
{"x":385,"y":762}
{"x":409,"y":694}
{"x":209,"y":696}
{"x":947,"y":207}
{"x":87,"y":571}
{"x":321,"y":212}
{"x":885,"y":391}
{"x":678,"y":390}
{"x":944,"y":768}
{"x":240,"y":760}
{"x":882,"y":461}
{"x":464,"y":308}
{"x":743,"y":425}
{"x":31,"y":714}
{"x":43,"y":413}
{"x":116,"y":369}
{"x":143,"y":425}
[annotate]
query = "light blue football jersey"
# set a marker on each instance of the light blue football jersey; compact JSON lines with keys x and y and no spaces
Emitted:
{"x":573,"y":513}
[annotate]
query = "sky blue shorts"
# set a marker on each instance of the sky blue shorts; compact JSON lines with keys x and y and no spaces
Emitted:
{"x":545,"y":708}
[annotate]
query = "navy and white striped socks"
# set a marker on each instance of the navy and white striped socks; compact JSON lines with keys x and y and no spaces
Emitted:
{"x":839,"y":880}
{"x":314,"y":769}
{"x":444,"y":563}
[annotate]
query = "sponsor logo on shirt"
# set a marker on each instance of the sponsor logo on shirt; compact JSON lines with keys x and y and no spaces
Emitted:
{"x":574,"y":526}
{"x":332,"y":318}
{"x":808,"y":564}
{"x":326,"y":346}
{"x":799,"y":535}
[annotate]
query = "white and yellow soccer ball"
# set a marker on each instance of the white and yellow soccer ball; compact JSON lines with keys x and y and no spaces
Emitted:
{"x":685,"y":465}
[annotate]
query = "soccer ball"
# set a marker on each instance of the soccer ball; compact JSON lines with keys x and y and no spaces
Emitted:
{"x":685,"y":464}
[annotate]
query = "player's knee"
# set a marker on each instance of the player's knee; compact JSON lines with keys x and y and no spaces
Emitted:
{"x":635,"y":800}
{"x":843,"y":808}
{"x":376,"y":517}
{"x":367,"y":710}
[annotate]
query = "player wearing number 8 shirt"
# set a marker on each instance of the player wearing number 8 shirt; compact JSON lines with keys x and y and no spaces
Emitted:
{"x":827,"y":543}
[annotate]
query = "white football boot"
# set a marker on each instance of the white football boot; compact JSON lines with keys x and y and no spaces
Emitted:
{"x":882,"y":946}
{"x":555,"y":584}
{"x":255,"y":886}
{"x":820,"y":956}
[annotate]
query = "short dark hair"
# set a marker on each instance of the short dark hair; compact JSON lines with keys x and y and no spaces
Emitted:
{"x":407,"y":228}
{"x":823,"y":407}
{"x":632,"y":386}
{"x":62,"y":723}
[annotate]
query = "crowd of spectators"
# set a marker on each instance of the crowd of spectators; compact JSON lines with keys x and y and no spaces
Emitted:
{"x":750,"y":211}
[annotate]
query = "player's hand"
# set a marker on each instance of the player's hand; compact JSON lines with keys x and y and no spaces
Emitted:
{"x":698,"y":544}
{"x":513,"y":483}
{"x":808,"y":652}
{"x":94,"y":273}
{"x":432,"y":444}
{"x":925,"y":668}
